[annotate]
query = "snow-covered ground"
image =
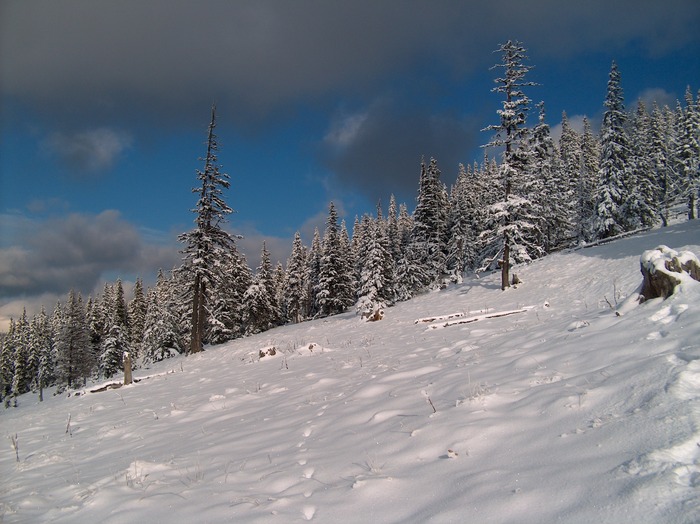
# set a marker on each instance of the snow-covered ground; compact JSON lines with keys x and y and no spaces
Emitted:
{"x":559,"y":411}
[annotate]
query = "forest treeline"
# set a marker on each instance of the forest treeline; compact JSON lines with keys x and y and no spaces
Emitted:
{"x":539,"y":196}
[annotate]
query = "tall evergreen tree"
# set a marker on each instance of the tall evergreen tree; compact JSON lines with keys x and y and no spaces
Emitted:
{"x":688,"y":152}
{"x":314,"y":275}
{"x":334,"y":280}
{"x":570,"y":158}
{"x":42,"y":352}
{"x":207,"y":243}
{"x":75,"y":360}
{"x":296,"y":285}
{"x":509,"y":223}
{"x":7,"y":363}
{"x":614,"y":174}
{"x":645,"y":189}
{"x":162,"y":336}
{"x":261,"y":311}
{"x":375,"y":290}
{"x":137,"y":318}
{"x":586,"y":195}
{"x":22,"y":377}
{"x":429,"y":226}
{"x":548,"y":191}
{"x":661,"y":145}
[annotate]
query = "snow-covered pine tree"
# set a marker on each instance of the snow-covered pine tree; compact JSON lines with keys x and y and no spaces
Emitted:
{"x":41,"y":346}
{"x":75,"y":359}
{"x":208,"y":242}
{"x":279,"y":278}
{"x":358,"y":243}
{"x":114,"y":344}
{"x":460,"y":237}
{"x":137,"y":318}
{"x":7,"y":363}
{"x":121,"y":312}
{"x":313,"y":275}
{"x":392,"y":229}
{"x":22,"y":378}
{"x":586,"y":195}
{"x":409,"y":273}
{"x":335,"y":279}
{"x":570,"y":153}
{"x":429,"y":226}
{"x":615,"y":173}
{"x":548,"y":191}
{"x":162,"y":337}
{"x":661,"y":144}
{"x":261,"y":312}
{"x":349,"y":278}
{"x":688,"y":152}
{"x":509,"y":224}
{"x":376,"y":269}
{"x":645,"y":196}
{"x":296,"y":285}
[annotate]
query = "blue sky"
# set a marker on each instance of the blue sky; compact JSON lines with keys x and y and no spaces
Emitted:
{"x":105,"y":105}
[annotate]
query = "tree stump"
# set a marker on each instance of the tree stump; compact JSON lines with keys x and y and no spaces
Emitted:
{"x":127,"y":369}
{"x":664,"y":269}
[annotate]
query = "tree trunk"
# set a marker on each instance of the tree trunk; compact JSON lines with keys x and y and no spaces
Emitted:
{"x":505,"y":265}
{"x":197,"y":313}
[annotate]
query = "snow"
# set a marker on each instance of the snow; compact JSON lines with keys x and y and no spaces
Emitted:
{"x":563,"y":412}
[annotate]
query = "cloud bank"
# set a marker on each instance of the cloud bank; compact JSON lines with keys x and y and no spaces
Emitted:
{"x":84,"y":58}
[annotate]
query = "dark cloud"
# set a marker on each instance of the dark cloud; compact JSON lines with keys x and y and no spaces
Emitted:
{"x":75,"y":252}
{"x":86,"y":58}
{"x":377,"y":151}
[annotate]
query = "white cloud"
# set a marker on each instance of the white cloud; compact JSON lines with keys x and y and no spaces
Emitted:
{"x":658,"y":95}
{"x":89,"y":151}
{"x":344,"y":130}
{"x":575,"y":123}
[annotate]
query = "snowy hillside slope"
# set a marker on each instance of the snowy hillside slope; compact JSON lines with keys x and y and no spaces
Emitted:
{"x":560,"y":411}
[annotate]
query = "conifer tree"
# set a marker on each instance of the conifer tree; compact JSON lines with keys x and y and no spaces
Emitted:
{"x":207,"y":243}
{"x":645,"y":196}
{"x":614,"y":174}
{"x":260,"y":313}
{"x":75,"y":360}
{"x":42,"y":352}
{"x":22,"y":376}
{"x":459,"y":225}
{"x":296,"y":285}
{"x":279,"y":278}
{"x":375,"y":277}
{"x":662,"y":142}
{"x":314,"y":275}
{"x":570,"y":158}
{"x":333,"y":280}
{"x":688,"y":152}
{"x":114,"y":345}
{"x":586,"y":195}
{"x":7,"y":363}
{"x":137,"y":318}
{"x":429,"y":226}
{"x":162,"y":337}
{"x":548,"y":191}
{"x":509,"y":223}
